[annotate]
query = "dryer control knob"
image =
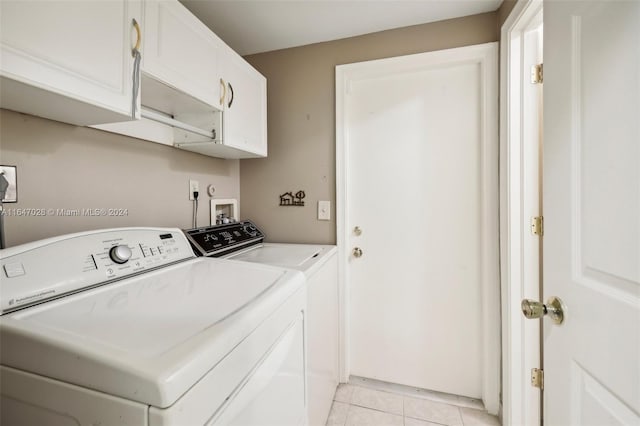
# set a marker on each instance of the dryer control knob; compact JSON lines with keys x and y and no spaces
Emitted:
{"x":251,"y":230}
{"x":120,"y":254}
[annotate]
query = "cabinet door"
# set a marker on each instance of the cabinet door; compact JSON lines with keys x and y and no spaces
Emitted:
{"x":180,"y":50}
{"x":68,"y":60}
{"x":245,"y":109}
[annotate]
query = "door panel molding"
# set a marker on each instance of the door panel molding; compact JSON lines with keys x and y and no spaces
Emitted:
{"x":619,"y":283}
{"x":604,"y":407}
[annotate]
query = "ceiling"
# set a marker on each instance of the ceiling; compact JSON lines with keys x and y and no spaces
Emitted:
{"x":253,"y":26}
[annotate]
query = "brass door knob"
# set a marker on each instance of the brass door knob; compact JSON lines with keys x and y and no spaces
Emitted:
{"x":554,"y":307}
{"x":357,"y":252}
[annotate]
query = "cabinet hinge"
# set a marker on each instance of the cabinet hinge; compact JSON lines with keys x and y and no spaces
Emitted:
{"x":537,"y":378}
{"x":536,"y":74}
{"x":537,"y":225}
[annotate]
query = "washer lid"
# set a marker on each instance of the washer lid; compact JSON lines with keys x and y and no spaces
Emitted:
{"x":302,"y":257}
{"x":148,"y":338}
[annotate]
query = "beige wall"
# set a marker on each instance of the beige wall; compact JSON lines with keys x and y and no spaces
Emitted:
{"x":301,"y":108}
{"x":68,"y":167}
{"x":503,"y":12}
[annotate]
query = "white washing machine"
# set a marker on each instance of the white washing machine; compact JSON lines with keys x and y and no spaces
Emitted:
{"x":244,"y":241}
{"x":128,"y":327}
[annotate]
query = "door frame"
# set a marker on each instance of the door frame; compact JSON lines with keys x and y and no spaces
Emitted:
{"x":486,"y":57}
{"x":515,"y":342}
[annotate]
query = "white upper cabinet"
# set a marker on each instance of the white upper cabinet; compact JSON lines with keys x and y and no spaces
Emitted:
{"x":182,"y":53}
{"x":180,"y":50}
{"x":244,"y":121}
{"x":72,"y":61}
{"x":69,"y":61}
{"x":242,"y":96}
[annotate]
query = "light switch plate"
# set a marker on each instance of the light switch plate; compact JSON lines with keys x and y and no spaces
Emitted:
{"x":324,"y":210}
{"x":11,"y":174}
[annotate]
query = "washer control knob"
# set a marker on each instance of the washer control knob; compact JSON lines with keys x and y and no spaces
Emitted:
{"x":120,"y":253}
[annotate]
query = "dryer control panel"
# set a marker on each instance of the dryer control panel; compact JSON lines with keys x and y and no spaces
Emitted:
{"x":219,"y":240}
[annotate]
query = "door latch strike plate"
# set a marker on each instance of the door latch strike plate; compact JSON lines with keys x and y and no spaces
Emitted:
{"x":537,"y":225}
{"x":537,"y":378}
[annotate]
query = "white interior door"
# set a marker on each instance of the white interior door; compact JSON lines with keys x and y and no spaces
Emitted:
{"x":592,"y":211}
{"x":420,"y":145}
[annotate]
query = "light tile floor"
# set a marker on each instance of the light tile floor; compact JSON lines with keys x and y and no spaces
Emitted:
{"x":370,"y":403}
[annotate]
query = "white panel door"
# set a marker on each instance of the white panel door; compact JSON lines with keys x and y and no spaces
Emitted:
{"x":592,"y":211}
{"x":421,"y":164}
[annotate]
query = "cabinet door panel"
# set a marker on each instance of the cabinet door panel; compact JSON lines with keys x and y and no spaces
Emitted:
{"x":181,"y":51}
{"x":81,"y":50}
{"x":245,"y":116}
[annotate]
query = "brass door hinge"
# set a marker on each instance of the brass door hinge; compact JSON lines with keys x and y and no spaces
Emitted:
{"x":537,"y":74}
{"x":537,"y":378}
{"x":537,"y":225}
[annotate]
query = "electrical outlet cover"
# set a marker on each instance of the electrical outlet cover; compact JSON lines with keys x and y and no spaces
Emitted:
{"x":193,"y":187}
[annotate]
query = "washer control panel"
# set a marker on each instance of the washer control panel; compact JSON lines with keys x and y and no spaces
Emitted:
{"x":219,"y":240}
{"x":34,"y":272}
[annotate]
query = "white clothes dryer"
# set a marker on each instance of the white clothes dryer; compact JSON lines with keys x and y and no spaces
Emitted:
{"x":127,"y":326}
{"x":243,"y":241}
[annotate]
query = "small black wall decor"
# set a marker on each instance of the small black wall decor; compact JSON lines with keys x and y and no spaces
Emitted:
{"x":289,"y":199}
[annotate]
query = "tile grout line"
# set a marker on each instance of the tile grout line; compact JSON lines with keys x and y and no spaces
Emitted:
{"x":404,"y":399}
{"x":347,"y":416}
{"x":404,"y":416}
{"x":420,"y":394}
{"x":370,"y":408}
